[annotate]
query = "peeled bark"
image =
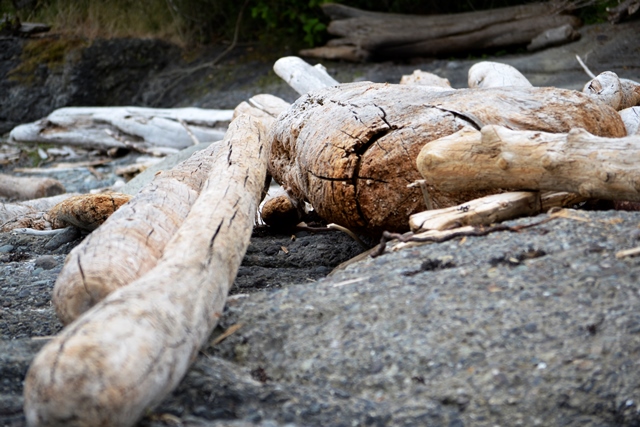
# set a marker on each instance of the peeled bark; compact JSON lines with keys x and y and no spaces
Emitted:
{"x":351,"y":150}
{"x":28,"y":188}
{"x":127,"y":353}
{"x":497,"y":157}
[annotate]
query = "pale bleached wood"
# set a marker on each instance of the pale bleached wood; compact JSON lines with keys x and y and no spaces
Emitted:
{"x":132,"y":240}
{"x":351,"y":150}
{"x":28,"y":188}
{"x":491,"y":209}
{"x":495,"y":74}
{"x":301,"y":76}
{"x":128,"y":352}
{"x":497,"y":157}
{"x":134,"y":127}
{"x":631,"y":118}
{"x":424,"y":78}
{"x":608,"y":88}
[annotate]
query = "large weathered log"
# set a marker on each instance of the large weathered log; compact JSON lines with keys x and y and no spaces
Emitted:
{"x":384,"y":35}
{"x":133,"y":127}
{"x":132,"y":240}
{"x":28,"y":188}
{"x":128,"y":352}
{"x":497,"y":157}
{"x":350,"y":150}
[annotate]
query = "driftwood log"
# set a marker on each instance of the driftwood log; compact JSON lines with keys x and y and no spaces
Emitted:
{"x":350,"y":150}
{"x":30,"y":213}
{"x":491,"y":209}
{"x":631,"y":119}
{"x":28,"y":188}
{"x":376,"y":35}
{"x":127,"y":353}
{"x":142,"y":129}
{"x":132,"y":241}
{"x":86,"y":211}
{"x":301,"y":76}
{"x":497,"y":157}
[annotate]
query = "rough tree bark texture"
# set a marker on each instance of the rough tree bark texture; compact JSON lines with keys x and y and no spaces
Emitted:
{"x":86,"y":211}
{"x":30,"y":213}
{"x":128,"y":352}
{"x":351,"y":150}
{"x":28,"y":188}
{"x":496,"y":157}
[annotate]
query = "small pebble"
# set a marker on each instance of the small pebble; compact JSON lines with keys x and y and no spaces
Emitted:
{"x":46,"y":262}
{"x":6,"y":248}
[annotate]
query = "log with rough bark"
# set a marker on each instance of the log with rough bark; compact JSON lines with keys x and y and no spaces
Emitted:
{"x":133,"y":239}
{"x":86,"y":211}
{"x":28,"y":188}
{"x":129,"y":351}
{"x":30,"y":213}
{"x":142,"y":129}
{"x":379,"y":35}
{"x":491,"y":209}
{"x":350,"y":150}
{"x":497,"y":157}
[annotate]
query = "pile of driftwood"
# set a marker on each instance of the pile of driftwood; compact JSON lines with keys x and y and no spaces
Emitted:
{"x":364,"y":35}
{"x":141,"y":294}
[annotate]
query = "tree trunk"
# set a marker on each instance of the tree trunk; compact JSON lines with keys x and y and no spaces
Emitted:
{"x":497,"y":157}
{"x":351,"y":150}
{"x":127,"y":353}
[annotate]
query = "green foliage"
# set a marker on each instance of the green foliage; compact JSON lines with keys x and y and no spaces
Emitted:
{"x":292,"y":18}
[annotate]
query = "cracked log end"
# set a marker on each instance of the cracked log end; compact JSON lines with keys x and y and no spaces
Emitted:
{"x":86,"y":211}
{"x":351,"y":150}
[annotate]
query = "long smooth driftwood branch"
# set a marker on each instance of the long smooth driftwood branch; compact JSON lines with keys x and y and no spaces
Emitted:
{"x":301,"y":76}
{"x":497,"y":157}
{"x":128,"y":352}
{"x":491,"y":209}
{"x":133,"y":127}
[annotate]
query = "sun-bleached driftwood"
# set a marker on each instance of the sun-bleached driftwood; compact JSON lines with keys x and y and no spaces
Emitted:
{"x":30,"y":213}
{"x":133,"y":239}
{"x":491,"y":209}
{"x":631,"y":120}
{"x":495,"y":74}
{"x":424,"y":78}
{"x":301,"y":76}
{"x":608,"y":88}
{"x":350,"y":150}
{"x":281,"y":210}
{"x":377,"y":35}
{"x":137,"y":128}
{"x":86,"y":211}
{"x":554,"y":37}
{"x":497,"y":157}
{"x":27,"y":187}
{"x":128,"y":352}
